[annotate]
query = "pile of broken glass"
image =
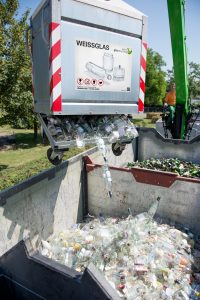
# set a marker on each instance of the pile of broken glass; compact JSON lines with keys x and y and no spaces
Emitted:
{"x":81,"y":128}
{"x":175,"y":165}
{"x":140,"y":257}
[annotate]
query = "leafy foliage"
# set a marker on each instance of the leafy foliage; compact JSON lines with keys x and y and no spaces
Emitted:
{"x":15,"y":68}
{"x":194,"y":80}
{"x":182,"y":168}
{"x":155,"y":79}
{"x":170,"y":77}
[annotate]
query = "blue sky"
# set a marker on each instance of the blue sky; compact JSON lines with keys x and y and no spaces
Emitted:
{"x":158,"y":28}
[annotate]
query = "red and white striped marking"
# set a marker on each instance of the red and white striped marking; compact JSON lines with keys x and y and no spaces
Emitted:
{"x":55,"y":67}
{"x":142,"y":77}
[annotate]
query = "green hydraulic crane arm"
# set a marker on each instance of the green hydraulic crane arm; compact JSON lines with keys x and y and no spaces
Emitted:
{"x":176,"y":11}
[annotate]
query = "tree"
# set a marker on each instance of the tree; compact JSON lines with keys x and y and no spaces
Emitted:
{"x":155,"y":79}
{"x":15,"y":68}
{"x":170,"y":77}
{"x":194,"y":80}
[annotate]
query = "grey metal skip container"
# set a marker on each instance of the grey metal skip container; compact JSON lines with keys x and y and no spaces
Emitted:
{"x":88,"y":57}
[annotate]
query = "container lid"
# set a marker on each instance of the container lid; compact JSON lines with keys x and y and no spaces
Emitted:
{"x":117,"y":6}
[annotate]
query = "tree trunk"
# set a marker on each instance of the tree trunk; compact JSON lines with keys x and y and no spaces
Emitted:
{"x":35,"y":128}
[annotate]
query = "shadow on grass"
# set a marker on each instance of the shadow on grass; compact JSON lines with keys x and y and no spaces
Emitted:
{"x":27,"y":140}
{"x":3,"y":167}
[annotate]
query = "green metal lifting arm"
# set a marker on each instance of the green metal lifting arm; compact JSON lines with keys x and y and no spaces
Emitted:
{"x":176,"y":11}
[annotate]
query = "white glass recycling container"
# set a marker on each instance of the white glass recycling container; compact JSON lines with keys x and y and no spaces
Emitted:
{"x":76,"y":46}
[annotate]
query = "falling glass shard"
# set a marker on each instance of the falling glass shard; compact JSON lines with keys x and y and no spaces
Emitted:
{"x":153,"y":208}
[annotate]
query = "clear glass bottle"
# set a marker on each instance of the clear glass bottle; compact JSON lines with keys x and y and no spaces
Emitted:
{"x":108,"y":61}
{"x":153,"y":208}
{"x":95,"y":69}
{"x":56,"y":131}
{"x":119,"y":74}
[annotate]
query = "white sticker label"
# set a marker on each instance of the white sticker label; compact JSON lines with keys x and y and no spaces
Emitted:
{"x":102,"y":66}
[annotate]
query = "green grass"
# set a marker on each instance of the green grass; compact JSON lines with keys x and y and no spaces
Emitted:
{"x":144,"y":123}
{"x":28,"y":159}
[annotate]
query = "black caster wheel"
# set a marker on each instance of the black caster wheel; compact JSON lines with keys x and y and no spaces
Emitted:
{"x":117,"y":149}
{"x":53,"y":158}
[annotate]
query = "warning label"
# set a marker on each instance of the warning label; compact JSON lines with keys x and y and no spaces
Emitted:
{"x":102,"y":66}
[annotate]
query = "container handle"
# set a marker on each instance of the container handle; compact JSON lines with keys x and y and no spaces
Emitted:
{"x":42,"y":25}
